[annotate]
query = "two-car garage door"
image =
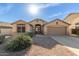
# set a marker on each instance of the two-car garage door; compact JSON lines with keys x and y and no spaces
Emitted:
{"x":56,"y":30}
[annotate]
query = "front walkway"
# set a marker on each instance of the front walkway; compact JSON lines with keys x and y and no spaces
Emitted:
{"x":46,"y":46}
{"x":71,"y":43}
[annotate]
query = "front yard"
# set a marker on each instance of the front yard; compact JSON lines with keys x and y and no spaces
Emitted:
{"x":46,"y":46}
{"x":41,"y":46}
{"x":15,"y":45}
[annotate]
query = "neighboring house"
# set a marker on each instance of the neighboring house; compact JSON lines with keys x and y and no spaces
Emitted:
{"x":5,"y":28}
{"x":73,"y":20}
{"x":40,"y":26}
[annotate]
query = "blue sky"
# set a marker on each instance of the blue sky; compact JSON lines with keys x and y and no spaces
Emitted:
{"x":10,"y":12}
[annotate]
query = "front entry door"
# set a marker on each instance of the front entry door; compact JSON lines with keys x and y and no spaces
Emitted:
{"x":38,"y":29}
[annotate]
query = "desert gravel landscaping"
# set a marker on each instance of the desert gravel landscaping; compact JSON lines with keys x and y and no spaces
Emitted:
{"x":58,"y":50}
{"x":42,"y":46}
{"x":3,"y":52}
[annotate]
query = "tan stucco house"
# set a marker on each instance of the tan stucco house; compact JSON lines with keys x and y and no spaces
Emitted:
{"x":40,"y":26}
{"x":73,"y":20}
{"x":56,"y":27}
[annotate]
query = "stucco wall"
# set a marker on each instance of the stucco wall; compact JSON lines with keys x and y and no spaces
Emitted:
{"x":54,"y":24}
{"x":72,"y":19}
{"x":27,"y":26}
{"x":37,"y":22}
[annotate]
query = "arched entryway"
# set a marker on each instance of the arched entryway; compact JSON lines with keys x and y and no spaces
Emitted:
{"x":38,"y":29}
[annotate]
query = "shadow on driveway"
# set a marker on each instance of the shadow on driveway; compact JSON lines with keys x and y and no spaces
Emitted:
{"x":44,"y":41}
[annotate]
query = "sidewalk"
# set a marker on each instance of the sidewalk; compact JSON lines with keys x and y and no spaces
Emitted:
{"x":71,"y":43}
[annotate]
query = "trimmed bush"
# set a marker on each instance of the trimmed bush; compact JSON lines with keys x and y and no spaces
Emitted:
{"x":29,"y":33}
{"x":20,"y":42}
{"x":2,"y":38}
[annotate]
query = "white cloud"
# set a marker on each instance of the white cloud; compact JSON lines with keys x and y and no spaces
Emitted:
{"x":40,"y":6}
{"x":45,"y":5}
{"x":63,"y":13}
{"x":48,"y":5}
{"x":54,"y":15}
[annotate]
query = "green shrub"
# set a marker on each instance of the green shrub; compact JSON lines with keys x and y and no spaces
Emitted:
{"x":20,"y":42}
{"x":2,"y":37}
{"x":77,"y":33}
{"x":29,"y":33}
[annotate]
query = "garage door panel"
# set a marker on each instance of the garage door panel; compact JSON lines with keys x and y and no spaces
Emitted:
{"x":6,"y":31}
{"x":56,"y":31}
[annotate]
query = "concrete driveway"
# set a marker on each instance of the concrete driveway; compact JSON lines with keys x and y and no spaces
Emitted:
{"x":44,"y":41}
{"x":69,"y":42}
{"x":46,"y":46}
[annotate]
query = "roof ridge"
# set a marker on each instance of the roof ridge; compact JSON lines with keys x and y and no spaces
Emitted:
{"x":38,"y":19}
{"x":69,"y":15}
{"x":57,"y":19}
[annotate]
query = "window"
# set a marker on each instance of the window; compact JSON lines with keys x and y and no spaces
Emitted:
{"x":77,"y":26}
{"x":76,"y":30}
{"x":21,"y":28}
